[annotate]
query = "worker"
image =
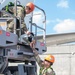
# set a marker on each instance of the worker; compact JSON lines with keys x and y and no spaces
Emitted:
{"x":21,"y":12}
{"x":45,"y":66}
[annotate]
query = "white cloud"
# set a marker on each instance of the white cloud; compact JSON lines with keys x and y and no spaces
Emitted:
{"x":67,"y":25}
{"x":58,"y":20}
{"x":47,"y":21}
{"x":2,"y":1}
{"x":38,"y":18}
{"x":63,"y":4}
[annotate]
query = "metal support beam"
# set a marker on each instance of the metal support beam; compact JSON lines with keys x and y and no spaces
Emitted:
{"x":21,"y":70}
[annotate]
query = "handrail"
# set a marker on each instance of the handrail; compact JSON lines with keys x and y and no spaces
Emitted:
{"x":44,"y":28}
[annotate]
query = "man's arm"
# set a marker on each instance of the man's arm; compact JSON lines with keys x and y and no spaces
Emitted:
{"x":37,"y":58}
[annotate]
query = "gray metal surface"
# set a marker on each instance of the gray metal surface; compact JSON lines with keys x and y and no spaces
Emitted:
{"x":8,"y":39}
{"x":40,"y":47}
{"x":21,"y":69}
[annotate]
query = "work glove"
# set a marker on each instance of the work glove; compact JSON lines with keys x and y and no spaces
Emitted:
{"x":31,"y":37}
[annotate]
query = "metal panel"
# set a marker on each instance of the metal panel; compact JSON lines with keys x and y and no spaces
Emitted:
{"x":21,"y":70}
{"x":8,"y":39}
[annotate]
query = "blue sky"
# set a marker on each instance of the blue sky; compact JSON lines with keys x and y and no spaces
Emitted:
{"x":60,"y":15}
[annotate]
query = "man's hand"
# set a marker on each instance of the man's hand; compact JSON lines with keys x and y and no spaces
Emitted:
{"x":27,"y":32}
